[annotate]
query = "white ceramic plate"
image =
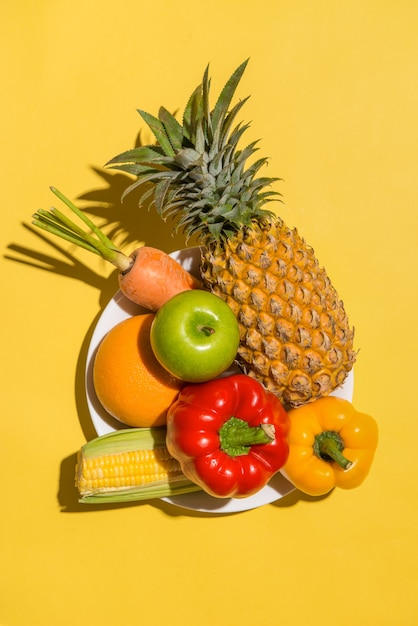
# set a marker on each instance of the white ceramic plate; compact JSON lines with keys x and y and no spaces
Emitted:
{"x":120,"y":308}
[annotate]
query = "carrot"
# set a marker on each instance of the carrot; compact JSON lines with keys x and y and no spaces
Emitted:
{"x":154,"y":277}
{"x":149,"y":277}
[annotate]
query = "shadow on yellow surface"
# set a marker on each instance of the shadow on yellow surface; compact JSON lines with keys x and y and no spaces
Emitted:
{"x":73,"y":268}
{"x":124,"y":222}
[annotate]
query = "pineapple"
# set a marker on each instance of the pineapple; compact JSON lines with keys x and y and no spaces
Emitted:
{"x":295,"y":335}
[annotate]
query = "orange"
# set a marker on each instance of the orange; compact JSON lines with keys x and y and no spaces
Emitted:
{"x":129,"y":381}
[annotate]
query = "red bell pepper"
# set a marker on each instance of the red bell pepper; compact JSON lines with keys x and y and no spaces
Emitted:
{"x":229,"y":435}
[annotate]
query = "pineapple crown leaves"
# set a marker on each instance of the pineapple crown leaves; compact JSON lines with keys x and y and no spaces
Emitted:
{"x":196,"y":172}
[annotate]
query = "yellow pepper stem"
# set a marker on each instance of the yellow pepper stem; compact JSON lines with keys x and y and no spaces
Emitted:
{"x":328,"y":446}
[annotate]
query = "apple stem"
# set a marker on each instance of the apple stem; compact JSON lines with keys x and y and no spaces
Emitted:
{"x":207,"y":330}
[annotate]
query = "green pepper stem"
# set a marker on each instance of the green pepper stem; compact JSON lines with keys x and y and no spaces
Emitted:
{"x":237,"y":436}
{"x":328,"y":446}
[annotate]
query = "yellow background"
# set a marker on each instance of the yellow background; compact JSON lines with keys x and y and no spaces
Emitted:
{"x":334,"y":98}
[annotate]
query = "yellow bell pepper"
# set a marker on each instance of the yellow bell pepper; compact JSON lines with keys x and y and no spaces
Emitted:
{"x":330,"y":445}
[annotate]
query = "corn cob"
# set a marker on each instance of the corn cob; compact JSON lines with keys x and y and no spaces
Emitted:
{"x":126,"y":465}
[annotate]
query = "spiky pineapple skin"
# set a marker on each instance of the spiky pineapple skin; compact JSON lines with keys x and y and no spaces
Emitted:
{"x":295,"y":335}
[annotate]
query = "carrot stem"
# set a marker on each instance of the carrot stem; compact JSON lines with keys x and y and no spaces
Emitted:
{"x":44,"y":220}
{"x":95,"y":229}
{"x":56,"y":223}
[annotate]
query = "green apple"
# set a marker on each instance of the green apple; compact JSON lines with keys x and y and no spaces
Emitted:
{"x":195,"y":336}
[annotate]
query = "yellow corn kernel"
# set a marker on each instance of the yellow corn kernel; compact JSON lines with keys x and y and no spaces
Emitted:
{"x":126,"y":469}
{"x":130,"y":464}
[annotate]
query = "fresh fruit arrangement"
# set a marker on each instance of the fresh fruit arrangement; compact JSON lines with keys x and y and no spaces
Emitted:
{"x":262,"y":303}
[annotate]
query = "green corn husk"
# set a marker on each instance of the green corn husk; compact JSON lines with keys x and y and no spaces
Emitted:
{"x":121,"y":467}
